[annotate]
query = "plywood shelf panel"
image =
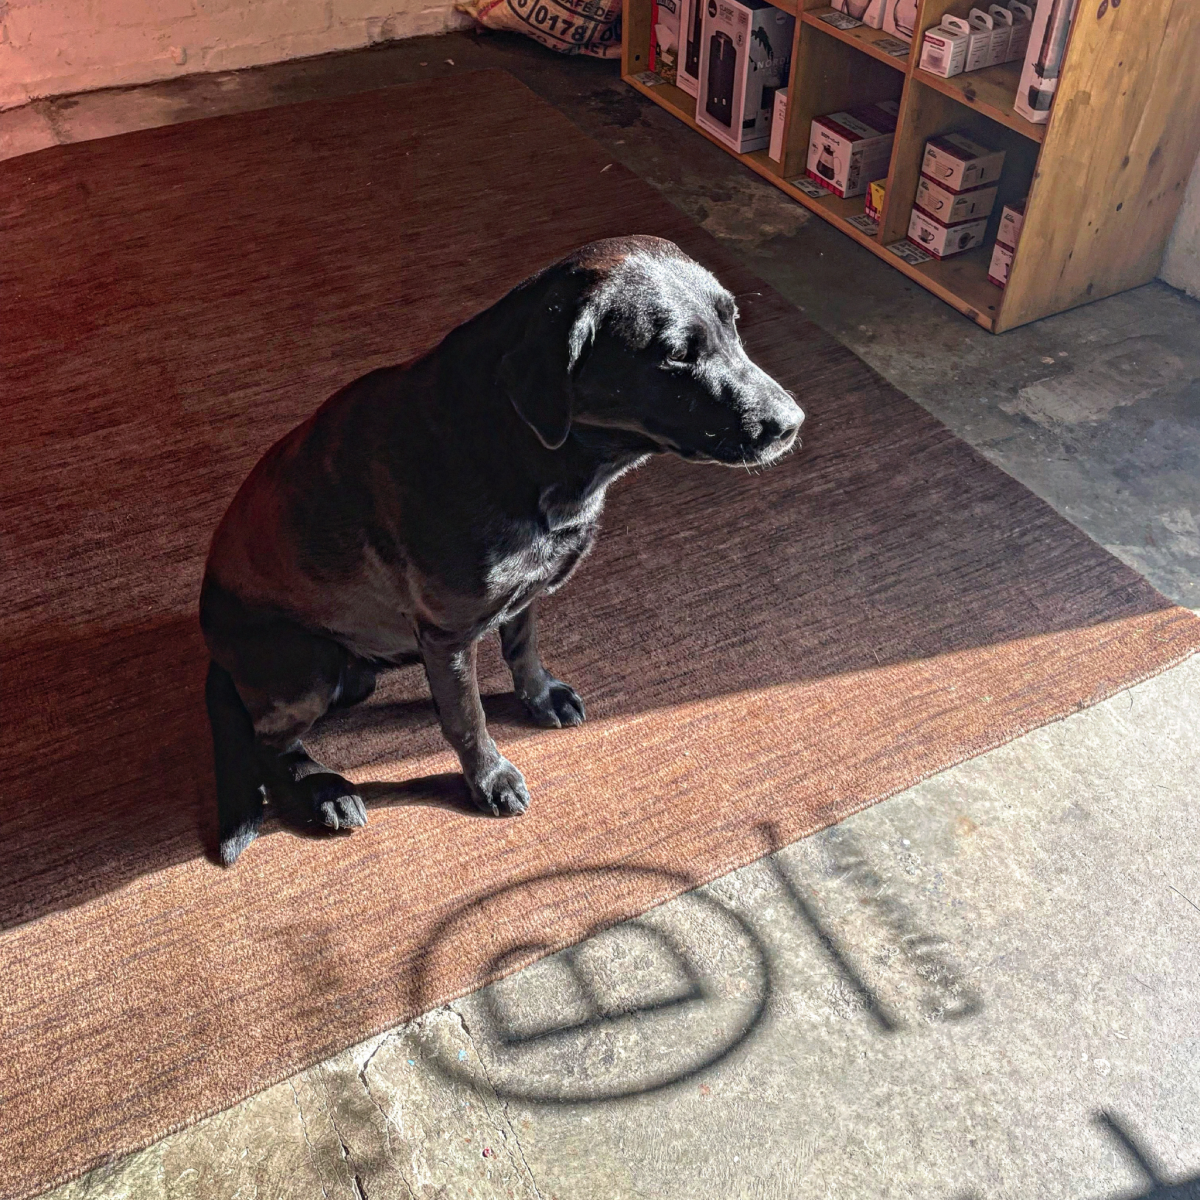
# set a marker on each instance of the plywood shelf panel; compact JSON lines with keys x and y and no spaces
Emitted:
{"x":862,"y":37}
{"x":990,"y":92}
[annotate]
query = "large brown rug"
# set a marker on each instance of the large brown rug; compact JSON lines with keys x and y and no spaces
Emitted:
{"x":788,"y":647}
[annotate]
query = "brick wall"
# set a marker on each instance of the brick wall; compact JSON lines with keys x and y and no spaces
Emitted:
{"x":53,"y":47}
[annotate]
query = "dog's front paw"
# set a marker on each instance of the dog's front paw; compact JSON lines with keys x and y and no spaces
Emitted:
{"x":556,"y":706}
{"x":500,"y":791}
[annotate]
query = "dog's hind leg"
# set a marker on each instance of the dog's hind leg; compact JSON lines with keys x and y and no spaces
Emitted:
{"x":235,"y":757}
{"x":310,"y":675}
{"x":270,"y":680}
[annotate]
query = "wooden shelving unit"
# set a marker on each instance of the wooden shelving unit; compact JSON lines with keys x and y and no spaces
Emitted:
{"x":1105,"y":176}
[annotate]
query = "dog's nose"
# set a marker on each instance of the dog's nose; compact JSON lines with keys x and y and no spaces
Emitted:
{"x":779,"y":430}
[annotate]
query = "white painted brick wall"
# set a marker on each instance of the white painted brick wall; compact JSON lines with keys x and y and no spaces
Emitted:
{"x":1181,"y":267}
{"x":54,"y":47}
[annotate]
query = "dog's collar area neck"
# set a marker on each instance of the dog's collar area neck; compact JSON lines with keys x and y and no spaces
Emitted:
{"x":563,"y":505}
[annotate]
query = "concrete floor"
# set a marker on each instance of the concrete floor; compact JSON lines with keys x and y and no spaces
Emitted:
{"x":985,"y":987}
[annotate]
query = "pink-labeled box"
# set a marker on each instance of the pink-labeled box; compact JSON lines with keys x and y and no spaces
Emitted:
{"x":944,"y":241}
{"x":952,"y":207}
{"x":958,"y":163}
{"x":1001,"y":264}
{"x":846,"y":150}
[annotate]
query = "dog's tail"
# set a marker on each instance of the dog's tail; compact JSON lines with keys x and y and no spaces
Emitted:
{"x":239,"y":787}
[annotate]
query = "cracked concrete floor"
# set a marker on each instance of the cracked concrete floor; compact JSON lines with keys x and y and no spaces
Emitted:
{"x":983,"y":987}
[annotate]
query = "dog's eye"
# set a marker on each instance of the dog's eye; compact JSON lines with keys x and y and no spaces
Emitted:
{"x":688,"y":354}
{"x":726,"y":311}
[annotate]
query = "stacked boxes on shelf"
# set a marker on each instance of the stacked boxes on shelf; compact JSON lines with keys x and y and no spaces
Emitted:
{"x":1011,"y":219}
{"x":954,"y":195}
{"x":984,"y":38}
{"x":1009,"y":32}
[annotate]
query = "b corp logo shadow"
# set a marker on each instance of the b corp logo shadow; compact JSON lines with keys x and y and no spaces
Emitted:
{"x":655,"y":1000}
{"x":630,"y":1009}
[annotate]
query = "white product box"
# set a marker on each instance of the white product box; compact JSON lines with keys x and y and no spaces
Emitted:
{"x":979,"y":48}
{"x":1002,"y":23}
{"x":1012,"y":218}
{"x":778,"y":121}
{"x":745,"y":53}
{"x":869,"y":12}
{"x":942,"y":241}
{"x":664,"y":41}
{"x":944,"y":50}
{"x":1022,"y":16}
{"x":691,"y":27}
{"x":950,"y":208}
{"x":847,"y":150}
{"x":1001,"y":264}
{"x":1043,"y":58}
{"x":959,"y":164}
{"x":900,"y":18}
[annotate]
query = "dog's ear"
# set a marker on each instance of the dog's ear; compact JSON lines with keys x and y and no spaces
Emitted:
{"x":537,"y":373}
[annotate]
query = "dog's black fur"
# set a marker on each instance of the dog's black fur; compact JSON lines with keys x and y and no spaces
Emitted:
{"x":424,"y":506}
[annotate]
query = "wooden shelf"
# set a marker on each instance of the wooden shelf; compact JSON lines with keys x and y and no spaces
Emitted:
{"x":990,"y":91}
{"x":676,"y":101}
{"x":961,"y":282}
{"x":861,"y":37}
{"x":963,"y":277}
{"x":1104,"y":177}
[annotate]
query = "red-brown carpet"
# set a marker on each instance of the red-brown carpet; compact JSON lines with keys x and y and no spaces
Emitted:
{"x":786,"y":647}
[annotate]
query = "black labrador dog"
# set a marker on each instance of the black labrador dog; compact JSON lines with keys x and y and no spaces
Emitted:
{"x":425,"y":505}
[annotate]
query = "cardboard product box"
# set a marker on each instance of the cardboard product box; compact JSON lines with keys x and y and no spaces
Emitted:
{"x":944,"y":241}
{"x":876,"y":190}
{"x":950,"y":208}
{"x":1002,"y":27}
{"x":1022,"y":23}
{"x":1001,"y":264}
{"x":869,"y":12}
{"x":691,"y":27}
{"x":745,"y":55}
{"x":979,"y":47}
{"x":664,"y":38}
{"x":1012,"y":217}
{"x":944,"y":48}
{"x":960,"y":164}
{"x":900,"y":18}
{"x":846,"y":150}
{"x":1043,"y":58}
{"x":778,"y":123}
